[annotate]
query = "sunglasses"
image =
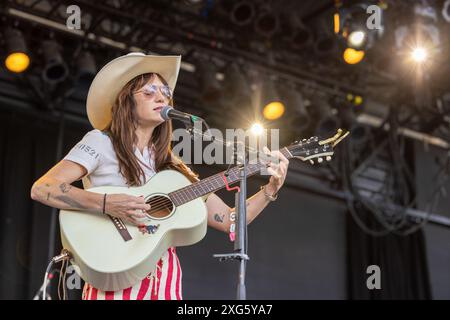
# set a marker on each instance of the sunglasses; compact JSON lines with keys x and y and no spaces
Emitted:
{"x":150,"y":91}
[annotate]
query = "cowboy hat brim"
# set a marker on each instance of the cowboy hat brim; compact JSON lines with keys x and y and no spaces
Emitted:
{"x":117,"y":73}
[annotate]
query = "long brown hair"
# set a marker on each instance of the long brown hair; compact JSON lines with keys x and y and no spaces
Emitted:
{"x":122,"y":133}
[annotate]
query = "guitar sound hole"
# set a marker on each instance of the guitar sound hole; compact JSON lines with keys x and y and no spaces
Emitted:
{"x":161,"y":207}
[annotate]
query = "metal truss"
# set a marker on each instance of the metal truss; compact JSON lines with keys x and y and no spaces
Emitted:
{"x":166,"y":27}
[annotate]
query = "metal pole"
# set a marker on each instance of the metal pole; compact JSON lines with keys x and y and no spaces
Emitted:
{"x":242,"y":231}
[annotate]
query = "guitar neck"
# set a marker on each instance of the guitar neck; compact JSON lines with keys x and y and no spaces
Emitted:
{"x":216,"y":182}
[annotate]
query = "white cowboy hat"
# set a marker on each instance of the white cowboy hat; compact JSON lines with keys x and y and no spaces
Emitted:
{"x":117,"y":73}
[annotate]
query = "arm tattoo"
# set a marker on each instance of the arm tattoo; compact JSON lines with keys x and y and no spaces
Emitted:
{"x":218,"y":218}
{"x":64,"y":187}
{"x":48,"y":196}
{"x":73,"y":203}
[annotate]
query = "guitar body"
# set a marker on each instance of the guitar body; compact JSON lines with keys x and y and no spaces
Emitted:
{"x":102,"y":257}
{"x":111,"y":261}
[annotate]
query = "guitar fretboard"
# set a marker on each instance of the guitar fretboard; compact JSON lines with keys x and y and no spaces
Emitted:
{"x":215,"y":182}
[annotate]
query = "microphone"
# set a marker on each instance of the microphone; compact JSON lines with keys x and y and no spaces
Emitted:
{"x":168,"y":113}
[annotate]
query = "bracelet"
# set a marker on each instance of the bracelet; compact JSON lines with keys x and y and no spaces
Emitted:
{"x":104,"y":202}
{"x":268,"y":196}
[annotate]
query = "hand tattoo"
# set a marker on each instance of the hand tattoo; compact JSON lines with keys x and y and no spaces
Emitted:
{"x":218,"y":218}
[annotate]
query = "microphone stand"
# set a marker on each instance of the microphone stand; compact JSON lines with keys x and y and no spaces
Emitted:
{"x":41,"y":290}
{"x":241,"y":239}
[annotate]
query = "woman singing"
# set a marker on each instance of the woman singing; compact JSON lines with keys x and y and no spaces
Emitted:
{"x":129,"y":144}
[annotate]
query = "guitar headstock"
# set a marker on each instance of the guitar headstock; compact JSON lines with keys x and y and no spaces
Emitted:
{"x":316,"y":148}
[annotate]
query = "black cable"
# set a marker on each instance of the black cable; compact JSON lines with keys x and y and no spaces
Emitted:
{"x":431,"y":204}
{"x":350,"y":188}
{"x":348,"y":185}
{"x":47,"y":271}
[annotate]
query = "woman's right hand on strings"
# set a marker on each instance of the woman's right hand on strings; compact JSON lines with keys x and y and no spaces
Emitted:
{"x":128,"y":208}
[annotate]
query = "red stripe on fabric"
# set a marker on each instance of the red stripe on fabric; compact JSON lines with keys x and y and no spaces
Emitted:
{"x":93,"y":294}
{"x":153,"y":289}
{"x":143,"y":289}
{"x":109,"y":295}
{"x":177,"y":288}
{"x":85,"y":290}
{"x":158,"y":280}
{"x":169,"y":275}
{"x":126,"y":293}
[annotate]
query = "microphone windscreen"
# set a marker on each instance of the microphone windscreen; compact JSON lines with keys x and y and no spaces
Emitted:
{"x":165,"y":112}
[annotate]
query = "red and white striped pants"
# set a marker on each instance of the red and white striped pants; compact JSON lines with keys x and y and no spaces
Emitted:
{"x":162,"y":284}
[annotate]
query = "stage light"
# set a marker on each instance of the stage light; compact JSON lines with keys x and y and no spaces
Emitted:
{"x":420,"y":41}
{"x":419,"y":55}
{"x":273,"y":110}
{"x":301,"y":38}
{"x":236,"y":86}
{"x":257,"y":129}
{"x":17,"y":59}
{"x":241,"y":13}
{"x":236,"y":98}
{"x":296,"y":113}
{"x":326,"y":42}
{"x":355,"y":100}
{"x":337,"y":23}
{"x":17,"y":62}
{"x":347,"y":115}
{"x":327,"y":122}
{"x":55,"y":69}
{"x":418,"y":44}
{"x":295,"y":31}
{"x":358,"y":101}
{"x":267,"y":22}
{"x":356,"y":39}
{"x":352,"y":56}
{"x":211,"y":89}
{"x":86,"y":68}
{"x":353,"y":28}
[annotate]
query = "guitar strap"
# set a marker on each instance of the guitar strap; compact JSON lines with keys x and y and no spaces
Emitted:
{"x":121,"y":227}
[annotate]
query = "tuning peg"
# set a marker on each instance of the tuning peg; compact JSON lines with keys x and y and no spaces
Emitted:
{"x":320,"y":160}
{"x":328,"y":158}
{"x":311,"y":161}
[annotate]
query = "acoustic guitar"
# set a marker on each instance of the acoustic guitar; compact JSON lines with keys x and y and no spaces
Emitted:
{"x":112,"y":255}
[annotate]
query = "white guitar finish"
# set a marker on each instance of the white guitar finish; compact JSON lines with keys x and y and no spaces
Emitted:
{"x":105,"y":260}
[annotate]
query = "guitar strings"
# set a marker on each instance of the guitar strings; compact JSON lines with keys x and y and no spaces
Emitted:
{"x":160,"y":204}
{"x":164,"y":200}
{"x":165,"y":203}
